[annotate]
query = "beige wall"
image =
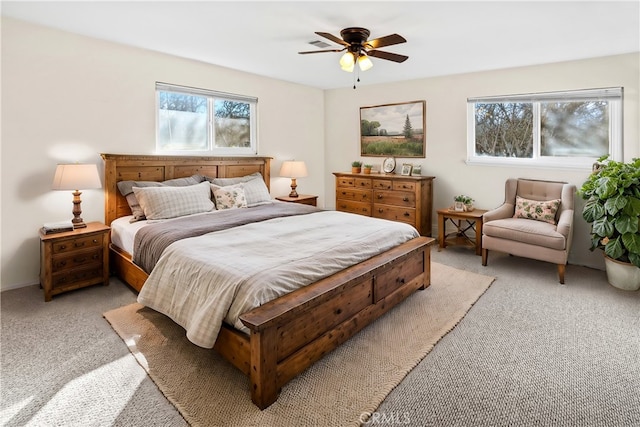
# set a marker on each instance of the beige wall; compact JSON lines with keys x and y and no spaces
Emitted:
{"x":67,"y":98}
{"x":447,"y":126}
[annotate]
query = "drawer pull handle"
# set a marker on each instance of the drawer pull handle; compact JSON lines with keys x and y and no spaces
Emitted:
{"x":406,"y":199}
{"x":407,"y":214}
{"x":379,"y":196}
{"x":95,"y":240}
{"x":62,"y":247}
{"x":380,"y":210}
{"x":400,"y":280}
{"x":344,"y":193}
{"x":79,"y":245}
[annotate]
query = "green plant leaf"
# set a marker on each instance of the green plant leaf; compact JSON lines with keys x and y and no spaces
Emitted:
{"x":603,"y":227}
{"x":606,"y":187}
{"x":626,"y":224}
{"x":593,"y":210}
{"x":634,"y":259}
{"x":614,"y":249}
{"x":615,"y":204}
{"x":631,"y":241}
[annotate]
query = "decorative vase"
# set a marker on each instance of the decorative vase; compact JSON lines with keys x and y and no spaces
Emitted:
{"x":367,"y":170}
{"x":355,"y":169}
{"x":622,"y":275}
{"x":468,"y":207}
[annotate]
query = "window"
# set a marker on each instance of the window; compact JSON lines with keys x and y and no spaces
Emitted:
{"x":199,"y":121}
{"x":559,"y":129}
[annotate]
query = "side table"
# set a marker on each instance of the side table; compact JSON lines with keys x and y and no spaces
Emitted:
{"x":303,"y":199}
{"x":464,"y":222}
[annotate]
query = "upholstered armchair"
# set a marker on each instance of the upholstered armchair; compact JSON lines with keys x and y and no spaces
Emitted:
{"x":535,"y":221}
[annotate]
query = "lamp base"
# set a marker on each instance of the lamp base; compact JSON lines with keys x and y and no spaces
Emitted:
{"x":77,"y":220}
{"x":293,"y":193}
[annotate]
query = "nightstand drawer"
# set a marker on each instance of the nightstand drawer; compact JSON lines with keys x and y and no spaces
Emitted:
{"x":77,"y":259}
{"x":78,"y":243}
{"x":78,"y":277}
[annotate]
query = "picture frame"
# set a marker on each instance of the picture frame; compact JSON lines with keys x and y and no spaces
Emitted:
{"x":406,"y":169}
{"x":396,"y":130}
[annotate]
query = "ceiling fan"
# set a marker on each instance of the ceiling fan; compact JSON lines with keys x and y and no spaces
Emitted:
{"x":359,"y":49}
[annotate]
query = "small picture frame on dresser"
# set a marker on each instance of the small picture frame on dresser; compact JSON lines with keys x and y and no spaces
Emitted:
{"x":406,"y":169}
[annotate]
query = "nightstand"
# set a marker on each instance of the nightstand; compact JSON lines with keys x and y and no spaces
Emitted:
{"x":303,"y":199}
{"x":74,"y":259}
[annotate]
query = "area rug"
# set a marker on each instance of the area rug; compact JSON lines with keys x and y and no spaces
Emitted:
{"x":341,"y":389}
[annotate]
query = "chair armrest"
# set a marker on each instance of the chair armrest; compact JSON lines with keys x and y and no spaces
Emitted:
{"x":503,"y":211}
{"x":565,"y":222}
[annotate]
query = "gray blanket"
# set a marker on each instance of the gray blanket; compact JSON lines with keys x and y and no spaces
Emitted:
{"x":151,"y":240}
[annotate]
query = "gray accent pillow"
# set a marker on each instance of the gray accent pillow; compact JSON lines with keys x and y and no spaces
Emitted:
{"x":255,"y":190}
{"x":126,"y":189}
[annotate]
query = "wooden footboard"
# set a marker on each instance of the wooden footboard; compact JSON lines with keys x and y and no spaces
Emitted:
{"x":334,"y":309}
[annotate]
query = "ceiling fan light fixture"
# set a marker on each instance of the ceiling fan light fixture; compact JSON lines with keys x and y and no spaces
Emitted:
{"x":347,"y":62}
{"x":364,"y":62}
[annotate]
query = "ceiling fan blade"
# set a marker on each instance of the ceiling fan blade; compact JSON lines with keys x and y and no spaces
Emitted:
{"x":387,"y":55}
{"x":386,"y":41}
{"x":332,"y":38}
{"x":320,"y":51}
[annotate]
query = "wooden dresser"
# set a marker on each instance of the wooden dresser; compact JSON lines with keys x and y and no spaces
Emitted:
{"x":396,"y":197}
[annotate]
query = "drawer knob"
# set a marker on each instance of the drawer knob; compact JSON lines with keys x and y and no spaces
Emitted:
{"x":379,"y":196}
{"x":407,"y":214}
{"x":380,"y":210}
{"x":405,"y":199}
{"x":63,"y":247}
{"x":95,"y":240}
{"x":79,"y":244}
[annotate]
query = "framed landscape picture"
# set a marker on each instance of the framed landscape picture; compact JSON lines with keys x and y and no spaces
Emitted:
{"x":396,"y":130}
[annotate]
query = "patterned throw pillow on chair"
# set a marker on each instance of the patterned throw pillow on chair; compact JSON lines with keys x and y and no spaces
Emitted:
{"x":538,"y":210}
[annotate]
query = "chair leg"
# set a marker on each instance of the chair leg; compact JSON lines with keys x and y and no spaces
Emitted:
{"x":485,"y":255}
{"x":561,"y":273}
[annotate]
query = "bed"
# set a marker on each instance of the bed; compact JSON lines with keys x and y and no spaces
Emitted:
{"x":284,"y":336}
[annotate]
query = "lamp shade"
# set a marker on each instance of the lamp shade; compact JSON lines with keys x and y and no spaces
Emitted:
{"x":293,"y":169}
{"x":76,"y":177}
{"x":364,"y":62}
{"x":347,"y":62}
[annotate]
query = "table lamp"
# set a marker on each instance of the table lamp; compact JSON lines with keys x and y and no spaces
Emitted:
{"x":75,"y":177}
{"x":293,"y":169}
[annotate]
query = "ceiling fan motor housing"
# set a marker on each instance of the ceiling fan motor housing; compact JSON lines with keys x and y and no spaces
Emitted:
{"x":356,"y":37}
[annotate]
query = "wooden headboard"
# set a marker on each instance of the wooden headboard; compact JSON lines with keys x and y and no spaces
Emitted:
{"x":125,"y":167}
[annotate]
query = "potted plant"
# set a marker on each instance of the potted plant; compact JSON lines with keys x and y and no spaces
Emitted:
{"x":367,"y":168}
{"x":356,"y":166}
{"x":463,"y":203}
{"x":612,"y":193}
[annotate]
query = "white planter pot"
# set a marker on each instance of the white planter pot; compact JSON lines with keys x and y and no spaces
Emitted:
{"x":622,"y":275}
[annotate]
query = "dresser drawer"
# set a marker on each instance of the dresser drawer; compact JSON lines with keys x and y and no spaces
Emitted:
{"x":396,"y":198}
{"x":353,"y":194}
{"x":85,"y":242}
{"x":345,"y":181}
{"x":362,"y":183}
{"x":77,"y":259}
{"x":394,"y":213}
{"x":66,"y":279}
{"x":383,"y":184}
{"x":360,"y":208}
{"x":404,"y":186}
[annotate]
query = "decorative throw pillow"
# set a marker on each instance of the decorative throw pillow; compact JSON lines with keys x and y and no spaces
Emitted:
{"x":171,"y":202}
{"x":255,"y":190}
{"x":537,"y":210}
{"x":126,"y":189}
{"x":229,"y":197}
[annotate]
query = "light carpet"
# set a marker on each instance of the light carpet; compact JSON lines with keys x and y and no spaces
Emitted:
{"x":343,"y":388}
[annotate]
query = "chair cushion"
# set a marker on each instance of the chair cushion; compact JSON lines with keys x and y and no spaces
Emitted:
{"x":526,"y":231}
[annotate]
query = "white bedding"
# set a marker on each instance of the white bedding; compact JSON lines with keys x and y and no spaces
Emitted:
{"x":202,"y":281}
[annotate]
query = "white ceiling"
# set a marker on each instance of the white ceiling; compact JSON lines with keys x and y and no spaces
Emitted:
{"x":264,"y":37}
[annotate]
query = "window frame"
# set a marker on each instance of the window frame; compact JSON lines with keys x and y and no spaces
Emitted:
{"x":211,"y":96}
{"x":614,"y":96}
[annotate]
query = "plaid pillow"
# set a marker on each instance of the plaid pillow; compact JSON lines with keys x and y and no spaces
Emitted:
{"x":171,"y":202}
{"x":538,"y":210}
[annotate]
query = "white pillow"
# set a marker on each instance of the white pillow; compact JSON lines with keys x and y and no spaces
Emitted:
{"x":171,"y":202}
{"x":229,"y":197}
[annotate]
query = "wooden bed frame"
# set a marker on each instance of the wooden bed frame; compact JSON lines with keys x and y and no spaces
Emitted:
{"x":290,"y":333}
